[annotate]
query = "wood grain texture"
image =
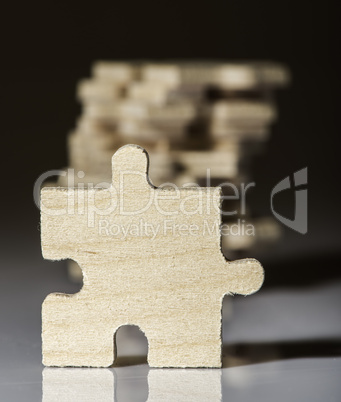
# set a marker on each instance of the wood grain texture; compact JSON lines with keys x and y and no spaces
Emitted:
{"x":150,"y":257}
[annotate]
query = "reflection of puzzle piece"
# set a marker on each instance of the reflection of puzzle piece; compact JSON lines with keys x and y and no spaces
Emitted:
{"x":70,"y":384}
{"x":130,"y":384}
{"x":184,"y":385}
{"x":150,"y":257}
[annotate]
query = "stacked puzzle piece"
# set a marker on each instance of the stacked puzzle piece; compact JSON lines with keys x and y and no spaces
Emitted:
{"x":200,"y":123}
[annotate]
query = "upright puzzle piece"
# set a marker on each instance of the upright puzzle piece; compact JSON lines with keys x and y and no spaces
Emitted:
{"x":150,"y":257}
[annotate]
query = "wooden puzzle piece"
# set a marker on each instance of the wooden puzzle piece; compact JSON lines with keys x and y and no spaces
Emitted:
{"x":117,"y":72}
{"x":229,"y":76}
{"x":150,"y":257}
{"x":92,"y":91}
{"x":239,"y":112}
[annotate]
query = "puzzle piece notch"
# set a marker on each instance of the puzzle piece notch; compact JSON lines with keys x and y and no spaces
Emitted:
{"x":171,"y":286}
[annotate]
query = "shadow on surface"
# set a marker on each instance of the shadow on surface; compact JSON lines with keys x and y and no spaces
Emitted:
{"x":252,"y":353}
{"x":125,"y":361}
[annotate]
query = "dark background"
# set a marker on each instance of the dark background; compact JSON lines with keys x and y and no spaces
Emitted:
{"x":46,"y":48}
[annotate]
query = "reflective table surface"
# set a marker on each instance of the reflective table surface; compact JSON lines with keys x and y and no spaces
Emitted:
{"x":279,"y":345}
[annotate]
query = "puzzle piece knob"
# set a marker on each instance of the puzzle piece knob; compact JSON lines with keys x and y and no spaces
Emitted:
{"x":131,"y":163}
